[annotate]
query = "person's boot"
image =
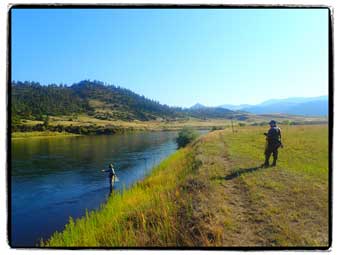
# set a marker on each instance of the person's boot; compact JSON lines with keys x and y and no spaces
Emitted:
{"x":274,"y":162}
{"x":266,"y":163}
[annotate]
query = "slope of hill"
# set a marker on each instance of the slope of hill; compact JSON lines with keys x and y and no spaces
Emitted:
{"x":31,"y":100}
{"x":111,"y":102}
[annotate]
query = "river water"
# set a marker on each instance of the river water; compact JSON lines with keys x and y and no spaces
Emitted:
{"x":55,"y":178}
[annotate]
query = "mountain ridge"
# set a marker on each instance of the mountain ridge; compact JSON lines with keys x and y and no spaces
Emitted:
{"x":309,"y":106}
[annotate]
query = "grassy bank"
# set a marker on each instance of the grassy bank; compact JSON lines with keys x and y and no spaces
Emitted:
{"x":215,"y":193}
{"x":85,"y":125}
{"x":40,"y":134}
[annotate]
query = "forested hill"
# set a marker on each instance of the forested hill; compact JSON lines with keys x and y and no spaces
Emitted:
{"x":30,"y":100}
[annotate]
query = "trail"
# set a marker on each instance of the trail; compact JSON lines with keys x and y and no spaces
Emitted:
{"x":233,"y":218}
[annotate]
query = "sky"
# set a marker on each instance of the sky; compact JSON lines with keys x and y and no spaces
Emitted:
{"x":177,"y":56}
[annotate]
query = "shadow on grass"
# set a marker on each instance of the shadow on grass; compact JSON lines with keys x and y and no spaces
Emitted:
{"x":238,"y":173}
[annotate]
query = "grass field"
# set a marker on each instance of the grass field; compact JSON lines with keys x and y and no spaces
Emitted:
{"x":214,"y":193}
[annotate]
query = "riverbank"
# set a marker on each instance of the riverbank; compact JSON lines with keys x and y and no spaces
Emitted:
{"x":214,"y":193}
{"x":40,"y":134}
{"x":85,"y":125}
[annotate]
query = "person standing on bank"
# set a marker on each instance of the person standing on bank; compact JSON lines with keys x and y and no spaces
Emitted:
{"x":112,"y":175}
{"x":273,"y":138}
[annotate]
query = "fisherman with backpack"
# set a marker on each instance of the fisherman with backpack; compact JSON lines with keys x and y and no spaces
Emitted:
{"x":273,"y":143}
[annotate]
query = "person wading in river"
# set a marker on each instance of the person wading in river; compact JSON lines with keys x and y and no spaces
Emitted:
{"x":273,"y":143}
{"x":112,"y":175}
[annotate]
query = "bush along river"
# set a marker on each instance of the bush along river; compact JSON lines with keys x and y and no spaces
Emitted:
{"x":53,"y":179}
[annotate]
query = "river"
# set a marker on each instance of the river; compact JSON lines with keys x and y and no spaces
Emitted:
{"x":53,"y":179}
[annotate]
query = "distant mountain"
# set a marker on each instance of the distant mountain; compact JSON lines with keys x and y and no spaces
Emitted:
{"x":293,"y":100}
{"x":317,"y":106}
{"x":234,"y":107}
{"x":197,"y":106}
{"x":201,"y":111}
{"x":210,"y":112}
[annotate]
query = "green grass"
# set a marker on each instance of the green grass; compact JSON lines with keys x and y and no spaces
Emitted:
{"x":305,"y":148}
{"x":213,"y":193}
{"x":292,"y":198}
{"x":40,"y":134}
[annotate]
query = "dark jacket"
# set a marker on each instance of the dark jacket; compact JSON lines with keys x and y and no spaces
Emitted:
{"x":111,"y":172}
{"x":274,"y":137}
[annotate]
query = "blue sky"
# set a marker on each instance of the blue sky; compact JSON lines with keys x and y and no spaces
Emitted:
{"x":177,"y":56}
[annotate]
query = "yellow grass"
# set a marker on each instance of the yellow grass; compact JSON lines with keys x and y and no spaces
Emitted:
{"x":39,"y":134}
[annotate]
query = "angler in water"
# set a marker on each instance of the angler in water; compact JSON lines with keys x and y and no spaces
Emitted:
{"x":273,"y":143}
{"x":112,"y":175}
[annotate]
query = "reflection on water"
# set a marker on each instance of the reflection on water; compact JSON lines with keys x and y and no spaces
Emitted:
{"x":53,"y":179}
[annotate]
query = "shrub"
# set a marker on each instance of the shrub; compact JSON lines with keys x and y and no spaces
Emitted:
{"x":185,"y":136}
{"x":216,"y":128}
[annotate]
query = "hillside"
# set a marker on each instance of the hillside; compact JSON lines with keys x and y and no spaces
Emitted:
{"x":31,"y":100}
{"x":214,"y":193}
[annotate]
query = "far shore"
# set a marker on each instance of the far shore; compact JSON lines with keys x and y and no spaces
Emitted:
{"x":40,"y":134}
{"x":61,"y":127}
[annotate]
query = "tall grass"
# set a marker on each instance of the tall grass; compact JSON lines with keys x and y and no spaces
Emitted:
{"x":145,"y":215}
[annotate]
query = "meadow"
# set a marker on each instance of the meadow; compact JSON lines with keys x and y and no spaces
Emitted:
{"x":214,"y":192}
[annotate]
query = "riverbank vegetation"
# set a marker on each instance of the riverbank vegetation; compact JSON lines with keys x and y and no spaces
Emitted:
{"x":186,"y":136}
{"x":39,"y":134}
{"x":214,"y":193}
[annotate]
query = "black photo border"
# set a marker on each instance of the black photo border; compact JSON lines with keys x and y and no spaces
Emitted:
{"x":176,"y":6}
